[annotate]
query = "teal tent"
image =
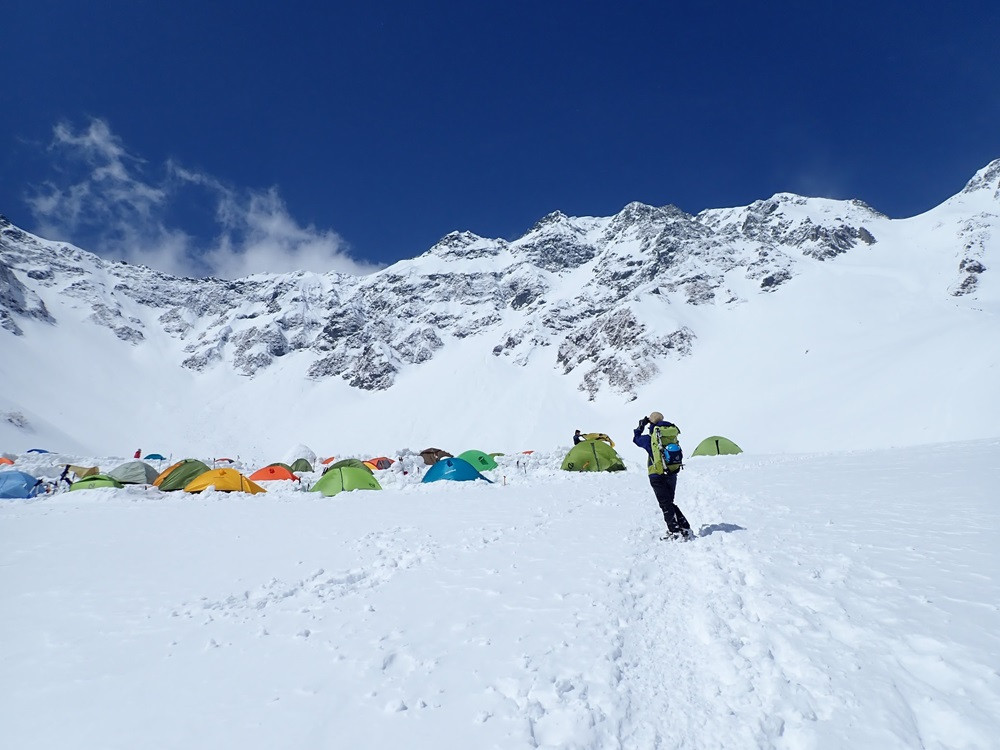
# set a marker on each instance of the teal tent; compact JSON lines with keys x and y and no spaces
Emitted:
{"x":453,"y":469}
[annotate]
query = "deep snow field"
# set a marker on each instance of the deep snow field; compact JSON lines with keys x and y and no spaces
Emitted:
{"x":835,"y":600}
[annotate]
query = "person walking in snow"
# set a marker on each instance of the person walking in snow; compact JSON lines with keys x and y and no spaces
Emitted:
{"x":663,"y":462}
{"x":138,"y":453}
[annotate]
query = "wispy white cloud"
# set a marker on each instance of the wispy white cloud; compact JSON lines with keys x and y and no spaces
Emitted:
{"x":102,"y":192}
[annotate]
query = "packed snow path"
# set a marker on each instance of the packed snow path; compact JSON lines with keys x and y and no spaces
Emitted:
{"x":843,"y":600}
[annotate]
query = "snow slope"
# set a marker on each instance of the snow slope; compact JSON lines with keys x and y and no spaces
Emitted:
{"x":832,"y":600}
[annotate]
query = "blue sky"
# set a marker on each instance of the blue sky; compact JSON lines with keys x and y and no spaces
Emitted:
{"x":228,"y":138}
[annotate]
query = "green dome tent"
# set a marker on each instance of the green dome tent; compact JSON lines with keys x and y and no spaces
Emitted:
{"x":349,"y":463}
{"x":716,"y":445}
{"x":134,"y":472}
{"x":345,"y":479}
{"x":94,"y":481}
{"x":301,"y":464}
{"x":592,"y":455}
{"x":479,"y":460}
{"x":177,"y":476}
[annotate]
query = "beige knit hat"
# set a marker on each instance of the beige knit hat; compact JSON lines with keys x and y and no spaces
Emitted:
{"x":655,"y":418}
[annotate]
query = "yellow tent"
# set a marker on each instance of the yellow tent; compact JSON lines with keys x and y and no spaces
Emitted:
{"x":224,"y":480}
{"x":599,"y":436}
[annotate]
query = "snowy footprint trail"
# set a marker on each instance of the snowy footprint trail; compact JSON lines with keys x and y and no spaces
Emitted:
{"x":877,"y":632}
{"x":823,"y":605}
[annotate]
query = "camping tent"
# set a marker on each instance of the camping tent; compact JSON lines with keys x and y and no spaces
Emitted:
{"x":223,"y":480}
{"x":300,"y":451}
{"x":381,"y":462}
{"x":17,"y":485}
{"x":344,"y":479}
{"x":37,"y":450}
{"x":82,"y":472}
{"x":95,"y":481}
{"x":454,"y":469}
{"x":301,"y":464}
{"x":154,"y":457}
{"x":479,"y":460}
{"x":6,"y":461}
{"x":432,"y":455}
{"x":355,"y":463}
{"x":716,"y":445}
{"x":328,"y":460}
{"x":592,"y":455}
{"x":134,"y":472}
{"x":272,"y":473}
{"x":177,"y":476}
{"x":599,"y":436}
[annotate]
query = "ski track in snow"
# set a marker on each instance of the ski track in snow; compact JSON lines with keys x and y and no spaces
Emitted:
{"x":541,"y":615}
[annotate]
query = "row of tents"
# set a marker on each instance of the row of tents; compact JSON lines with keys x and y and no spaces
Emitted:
{"x":597,"y":453}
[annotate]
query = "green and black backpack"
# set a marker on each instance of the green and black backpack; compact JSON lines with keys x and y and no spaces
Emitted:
{"x":667,"y":454}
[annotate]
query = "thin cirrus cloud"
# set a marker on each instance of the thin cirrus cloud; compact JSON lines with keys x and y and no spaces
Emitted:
{"x":101,"y":193}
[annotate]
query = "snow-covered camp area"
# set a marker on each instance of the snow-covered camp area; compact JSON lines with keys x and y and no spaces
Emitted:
{"x":830,"y":600}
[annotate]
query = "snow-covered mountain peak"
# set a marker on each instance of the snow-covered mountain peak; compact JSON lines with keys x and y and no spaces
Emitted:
{"x":604,"y":308}
{"x":986,"y":180}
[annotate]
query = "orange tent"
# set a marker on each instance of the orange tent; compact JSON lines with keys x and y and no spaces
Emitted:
{"x":329,"y":460}
{"x":5,"y":460}
{"x":270,"y":473}
{"x":379,"y":463}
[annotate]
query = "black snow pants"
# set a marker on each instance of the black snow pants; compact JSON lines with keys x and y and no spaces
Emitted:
{"x":664,"y":486}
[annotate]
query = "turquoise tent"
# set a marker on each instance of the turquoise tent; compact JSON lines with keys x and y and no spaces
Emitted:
{"x":454,"y":469}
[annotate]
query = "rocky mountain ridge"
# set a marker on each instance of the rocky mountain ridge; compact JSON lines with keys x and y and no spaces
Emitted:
{"x":574,"y":291}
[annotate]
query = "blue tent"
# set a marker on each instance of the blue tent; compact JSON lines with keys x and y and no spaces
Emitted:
{"x":454,"y":469}
{"x":17,"y":484}
{"x":154,"y":457}
{"x":37,"y":450}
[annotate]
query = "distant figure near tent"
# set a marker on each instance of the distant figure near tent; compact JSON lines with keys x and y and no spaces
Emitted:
{"x":577,"y":437}
{"x":138,"y":453}
{"x":716,"y":445}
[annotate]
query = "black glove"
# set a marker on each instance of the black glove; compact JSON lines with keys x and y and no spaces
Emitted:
{"x":643,"y":422}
